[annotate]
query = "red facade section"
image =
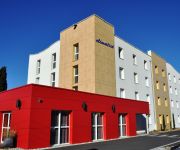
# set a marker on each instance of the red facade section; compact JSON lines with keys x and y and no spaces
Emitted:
{"x":33,"y":120}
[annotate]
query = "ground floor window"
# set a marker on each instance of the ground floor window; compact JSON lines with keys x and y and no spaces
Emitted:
{"x":122,"y":125}
{"x":97,"y":126}
{"x":6,"y":122}
{"x":59,"y":127}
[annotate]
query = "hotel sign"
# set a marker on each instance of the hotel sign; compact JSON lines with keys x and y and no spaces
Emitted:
{"x":104,"y":43}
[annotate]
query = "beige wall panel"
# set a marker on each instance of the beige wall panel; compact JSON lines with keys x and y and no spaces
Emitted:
{"x":160,"y":109}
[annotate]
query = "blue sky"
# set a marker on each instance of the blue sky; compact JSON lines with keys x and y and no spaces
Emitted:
{"x":31,"y":26}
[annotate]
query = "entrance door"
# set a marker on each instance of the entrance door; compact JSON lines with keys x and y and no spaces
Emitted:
{"x":122,"y":125}
{"x":5,"y":125}
{"x":59,"y":128}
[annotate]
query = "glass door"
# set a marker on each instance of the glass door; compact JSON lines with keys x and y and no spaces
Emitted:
{"x":59,"y":128}
{"x":122,"y":125}
{"x":6,"y":122}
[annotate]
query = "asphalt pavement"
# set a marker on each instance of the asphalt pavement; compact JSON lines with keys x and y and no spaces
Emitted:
{"x":156,"y":141}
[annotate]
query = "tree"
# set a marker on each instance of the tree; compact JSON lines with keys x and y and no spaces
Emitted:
{"x":3,"y":79}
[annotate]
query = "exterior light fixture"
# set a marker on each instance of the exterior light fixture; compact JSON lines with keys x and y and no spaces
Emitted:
{"x":113,"y":108}
{"x":18,"y":104}
{"x":75,"y":26}
{"x":84,"y":106}
{"x":40,"y":100}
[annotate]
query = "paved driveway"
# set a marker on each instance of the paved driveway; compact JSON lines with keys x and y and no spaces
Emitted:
{"x":137,"y":143}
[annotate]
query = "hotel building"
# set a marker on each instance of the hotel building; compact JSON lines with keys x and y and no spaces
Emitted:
{"x":90,"y":61}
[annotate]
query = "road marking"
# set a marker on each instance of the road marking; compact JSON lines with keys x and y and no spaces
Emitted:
{"x":164,"y":145}
{"x":171,"y":136}
{"x":162,"y":135}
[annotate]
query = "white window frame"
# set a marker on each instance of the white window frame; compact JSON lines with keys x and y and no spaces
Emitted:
{"x":136,"y":95}
{"x":178,"y":118}
{"x":148,"y":98}
{"x":145,"y":65}
{"x":121,"y":52}
{"x":157,"y":85}
{"x":122,"y":93}
{"x":8,"y":125}
{"x":53,"y":79}
{"x":177,"y":104}
{"x":53,"y":61}
{"x":38,"y":66}
{"x":59,"y":127}
{"x":37,"y":80}
{"x":169,"y":76}
{"x":170,"y":88}
{"x":121,"y":124}
{"x":172,"y":103}
{"x":174,"y":79}
{"x":76,"y":51}
{"x":121,"y":73}
{"x":136,"y":78}
{"x":176,"y":91}
{"x":134,"y":59}
{"x":96,"y":126}
{"x":159,"y":101}
{"x":147,"y":81}
{"x":76,"y":74}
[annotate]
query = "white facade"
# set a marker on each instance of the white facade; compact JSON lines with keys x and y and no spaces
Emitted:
{"x":44,"y":67}
{"x":133,"y":75}
{"x":174,"y":94}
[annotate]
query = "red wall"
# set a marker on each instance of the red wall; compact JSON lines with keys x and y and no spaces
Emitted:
{"x":33,"y":121}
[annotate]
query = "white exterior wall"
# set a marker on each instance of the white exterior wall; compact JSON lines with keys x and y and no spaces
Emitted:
{"x":46,"y":65}
{"x":129,"y":68}
{"x":174,"y":99}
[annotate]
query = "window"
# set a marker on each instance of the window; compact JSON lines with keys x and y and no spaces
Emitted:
{"x":121,"y":53}
{"x":167,"y":118}
{"x":169,"y":76}
{"x":135,"y":77}
{"x":150,"y":119}
{"x":76,"y":52}
{"x":178,"y":118}
{"x":147,"y":81}
{"x":156,"y":70}
{"x":6,"y":122}
{"x":166,"y":102}
{"x":38,"y":67}
{"x":163,"y":73}
{"x":172,"y":103}
{"x":179,"y":80}
{"x":53,"y":79}
{"x":121,"y":73}
{"x":122,"y":125}
{"x":134,"y":59}
{"x":174,"y":79}
{"x":148,"y":98}
{"x":97,"y":126}
{"x":122,"y":93}
{"x":157,"y":85}
{"x":76,"y":74}
{"x":159,"y":101}
{"x":160,"y":119}
{"x":37,"y":80}
{"x":145,"y":65}
{"x":136,"y":95}
{"x":164,"y":87}
{"x":59,"y":127}
{"x":177,"y":104}
{"x":171,"y":91}
{"x":75,"y":88}
{"x":54,"y":61}
{"x":176,"y":92}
